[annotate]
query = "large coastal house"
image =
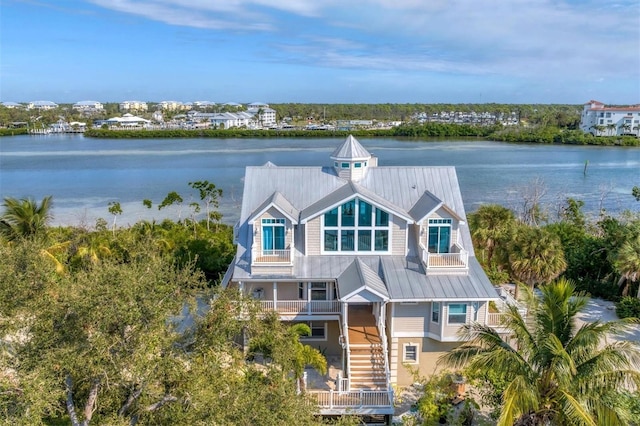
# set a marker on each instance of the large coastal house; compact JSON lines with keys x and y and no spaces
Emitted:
{"x":377,"y":260}
{"x":601,"y":120}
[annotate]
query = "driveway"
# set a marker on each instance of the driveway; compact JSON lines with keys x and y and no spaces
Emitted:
{"x":605,"y":311}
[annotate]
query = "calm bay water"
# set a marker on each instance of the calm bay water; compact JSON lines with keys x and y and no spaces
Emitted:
{"x":84,"y":174}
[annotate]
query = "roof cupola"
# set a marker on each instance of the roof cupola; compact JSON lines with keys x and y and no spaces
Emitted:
{"x":351,"y":160}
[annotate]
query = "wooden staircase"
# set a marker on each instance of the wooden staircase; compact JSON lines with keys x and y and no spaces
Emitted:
{"x":366,"y":359}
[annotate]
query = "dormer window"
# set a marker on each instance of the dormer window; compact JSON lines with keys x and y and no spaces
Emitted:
{"x":356,"y":226}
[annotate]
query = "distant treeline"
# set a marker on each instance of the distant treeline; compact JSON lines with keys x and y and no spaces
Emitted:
{"x":13,"y":131}
{"x":416,"y":131}
{"x":551,"y":134}
{"x":562,"y":115}
{"x":546,"y":134}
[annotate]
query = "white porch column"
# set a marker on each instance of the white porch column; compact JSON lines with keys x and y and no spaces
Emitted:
{"x":308,"y":298}
{"x":275,"y":296}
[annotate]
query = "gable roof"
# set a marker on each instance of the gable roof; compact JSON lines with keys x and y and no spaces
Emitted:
{"x":279,"y":202}
{"x":351,"y":149}
{"x":427,"y":204}
{"x":358,"y":278}
{"x":346,"y":192}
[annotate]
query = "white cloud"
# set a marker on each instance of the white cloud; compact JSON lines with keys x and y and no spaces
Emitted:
{"x":516,"y":37}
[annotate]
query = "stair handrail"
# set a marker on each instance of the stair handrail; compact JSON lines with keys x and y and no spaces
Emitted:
{"x":346,"y":346}
{"x":383,"y":338}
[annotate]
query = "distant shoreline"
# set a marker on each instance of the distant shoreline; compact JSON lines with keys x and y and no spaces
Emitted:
{"x":426,"y":132}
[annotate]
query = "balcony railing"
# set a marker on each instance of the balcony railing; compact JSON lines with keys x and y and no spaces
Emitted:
{"x":455,"y":260}
{"x":272,"y":256}
{"x":302,"y":306}
{"x":494,"y":319}
{"x":353,"y":400}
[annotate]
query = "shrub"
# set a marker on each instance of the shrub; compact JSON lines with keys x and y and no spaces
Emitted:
{"x":628,"y":307}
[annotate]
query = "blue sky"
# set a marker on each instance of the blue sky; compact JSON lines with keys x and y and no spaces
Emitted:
{"x":321,"y":51}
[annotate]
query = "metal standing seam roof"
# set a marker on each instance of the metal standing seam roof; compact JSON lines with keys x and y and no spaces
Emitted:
{"x":350,"y":149}
{"x":357,"y":277}
{"x":409,"y":191}
{"x":278,"y":201}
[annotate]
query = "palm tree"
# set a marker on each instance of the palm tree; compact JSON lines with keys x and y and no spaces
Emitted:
{"x":627,"y":263}
{"x":489,"y":225}
{"x":24,"y":217}
{"x":282,"y":345}
{"x":556,"y":373}
{"x":536,"y":256}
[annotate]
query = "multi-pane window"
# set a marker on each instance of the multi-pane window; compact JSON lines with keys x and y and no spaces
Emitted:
{"x":410,"y":353}
{"x":273,"y":232}
{"x":316,"y":291}
{"x":457,"y":313}
{"x":356,"y":226}
{"x":439,"y":235}
{"x":318,"y":330}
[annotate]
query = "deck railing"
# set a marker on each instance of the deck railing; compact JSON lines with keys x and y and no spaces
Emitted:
{"x":272,"y":256}
{"x":302,"y":306}
{"x":459,"y":259}
{"x":356,"y":399}
{"x":494,"y":318}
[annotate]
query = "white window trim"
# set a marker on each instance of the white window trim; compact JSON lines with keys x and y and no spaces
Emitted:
{"x":372,"y":228}
{"x":315,"y":339}
{"x":448,"y":223}
{"x":404,"y":353}
{"x":466,"y":314}
{"x":439,"y":305}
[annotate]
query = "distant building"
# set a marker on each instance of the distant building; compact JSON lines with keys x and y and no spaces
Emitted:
{"x":128,"y":120}
{"x":224,"y":120}
{"x":264,"y":115}
{"x":173,"y":106}
{"x":88,"y":106}
{"x":203,"y":104}
{"x":133,"y":106}
{"x":42,"y":105}
{"x":601,"y":120}
{"x":12,"y":105}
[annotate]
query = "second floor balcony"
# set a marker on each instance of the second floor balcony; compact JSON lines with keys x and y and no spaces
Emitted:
{"x":455,"y":260}
{"x":302,"y":307}
{"x":272,"y":256}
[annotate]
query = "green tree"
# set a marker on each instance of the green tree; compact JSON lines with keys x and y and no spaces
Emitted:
{"x":536,"y":256}
{"x":171,"y":199}
{"x":99,"y":341}
{"x":281,"y":343}
{"x":627,"y":263}
{"x":115,"y":209}
{"x":210,"y":195}
{"x":635,"y":191}
{"x":490,"y":225}
{"x":557,"y":373}
{"x":25,"y":217}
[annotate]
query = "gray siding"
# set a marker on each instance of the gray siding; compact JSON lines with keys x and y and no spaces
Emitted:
{"x":411,"y":318}
{"x":314,"y":239}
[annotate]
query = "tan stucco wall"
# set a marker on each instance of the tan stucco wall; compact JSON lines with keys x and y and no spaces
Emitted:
{"x":330,"y":347}
{"x":429,"y":351}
